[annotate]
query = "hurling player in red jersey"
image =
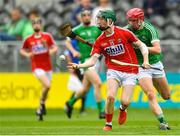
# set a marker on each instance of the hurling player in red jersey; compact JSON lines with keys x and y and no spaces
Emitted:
{"x":39,"y":47}
{"x":116,"y":43}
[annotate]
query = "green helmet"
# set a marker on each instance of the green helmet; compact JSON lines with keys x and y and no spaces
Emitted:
{"x":107,"y":14}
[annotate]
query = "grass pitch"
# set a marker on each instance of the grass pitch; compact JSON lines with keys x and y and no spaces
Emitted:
{"x":139,"y":122}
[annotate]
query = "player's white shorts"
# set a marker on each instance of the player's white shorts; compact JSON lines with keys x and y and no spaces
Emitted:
{"x":39,"y":72}
{"x":74,"y":84}
{"x":152,"y":73}
{"x":122,"y":77}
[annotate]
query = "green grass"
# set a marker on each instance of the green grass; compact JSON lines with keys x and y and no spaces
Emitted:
{"x":139,"y":122}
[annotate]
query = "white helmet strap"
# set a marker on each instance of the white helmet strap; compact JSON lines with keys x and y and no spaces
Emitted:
{"x":108,"y":22}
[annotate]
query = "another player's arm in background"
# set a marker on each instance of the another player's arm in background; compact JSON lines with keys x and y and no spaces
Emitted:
{"x":154,"y":37}
{"x":144,"y":50}
{"x":156,"y":49}
{"x":88,"y":63}
{"x":70,"y":47}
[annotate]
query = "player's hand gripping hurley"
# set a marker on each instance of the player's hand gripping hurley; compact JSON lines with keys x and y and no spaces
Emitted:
{"x":129,"y":64}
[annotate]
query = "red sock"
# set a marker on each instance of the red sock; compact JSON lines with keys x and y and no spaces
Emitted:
{"x":109,"y":118}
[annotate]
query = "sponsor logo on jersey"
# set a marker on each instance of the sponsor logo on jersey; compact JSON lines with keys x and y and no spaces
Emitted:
{"x":111,"y":42}
{"x":119,"y":40}
{"x":39,"y":48}
{"x":115,"y":50}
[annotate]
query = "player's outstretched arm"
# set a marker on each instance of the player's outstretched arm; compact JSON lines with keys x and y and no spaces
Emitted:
{"x":88,"y":63}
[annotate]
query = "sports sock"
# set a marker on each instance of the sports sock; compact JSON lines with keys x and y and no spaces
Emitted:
{"x":83,"y":103}
{"x":100,"y":107}
{"x":161,"y":118}
{"x":122,"y":108}
{"x":72,"y":101}
{"x":109,"y":119}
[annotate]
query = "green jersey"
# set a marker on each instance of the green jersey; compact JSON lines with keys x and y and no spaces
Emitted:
{"x":148,"y":34}
{"x":88,"y":33}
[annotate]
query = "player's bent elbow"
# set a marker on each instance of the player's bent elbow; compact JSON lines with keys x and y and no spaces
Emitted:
{"x":158,"y":51}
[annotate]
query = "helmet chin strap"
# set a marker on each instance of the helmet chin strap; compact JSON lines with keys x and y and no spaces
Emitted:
{"x":108,"y":25}
{"x":108,"y":22}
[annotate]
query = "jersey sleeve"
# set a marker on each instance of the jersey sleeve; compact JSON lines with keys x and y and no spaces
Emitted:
{"x":130,"y":36}
{"x":25,"y":44}
{"x":51,"y":41}
{"x":96,"y":48}
{"x":154,"y":36}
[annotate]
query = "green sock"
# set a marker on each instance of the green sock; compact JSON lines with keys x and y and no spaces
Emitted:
{"x":100,"y":106}
{"x":72,"y":101}
{"x":161,"y":118}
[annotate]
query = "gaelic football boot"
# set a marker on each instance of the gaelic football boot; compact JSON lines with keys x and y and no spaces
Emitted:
{"x":68,"y":110}
{"x":122,"y":116}
{"x":164,"y":126}
{"x":107,"y":127}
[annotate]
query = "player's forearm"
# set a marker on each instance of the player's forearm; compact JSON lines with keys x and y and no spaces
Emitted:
{"x":145,"y":58}
{"x":154,"y":50}
{"x":53,"y":50}
{"x":88,"y":63}
{"x":24,"y":53}
{"x":69,"y":46}
{"x":144,"y":50}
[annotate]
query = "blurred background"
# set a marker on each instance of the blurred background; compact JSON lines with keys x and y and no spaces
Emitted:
{"x":164,"y":14}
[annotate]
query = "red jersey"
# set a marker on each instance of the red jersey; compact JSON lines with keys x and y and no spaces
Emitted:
{"x":39,"y":46}
{"x":117,"y":46}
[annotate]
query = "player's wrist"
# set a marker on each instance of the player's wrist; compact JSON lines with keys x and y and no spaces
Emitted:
{"x":76,"y":66}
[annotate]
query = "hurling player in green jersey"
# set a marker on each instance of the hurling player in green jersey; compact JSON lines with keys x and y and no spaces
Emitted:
{"x":150,"y":78}
{"x":91,"y":77}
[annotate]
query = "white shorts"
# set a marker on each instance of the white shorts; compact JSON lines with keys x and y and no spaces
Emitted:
{"x":74,"y":84}
{"x":122,"y":77}
{"x":39,"y":72}
{"x":152,"y":73}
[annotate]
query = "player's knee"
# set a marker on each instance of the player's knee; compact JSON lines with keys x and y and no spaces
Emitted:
{"x":85,"y":89}
{"x":151,"y":95}
{"x":125,"y":103}
{"x":47,"y":86}
{"x":166,"y":96}
{"x":97,"y":85}
{"x":110,"y":98}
